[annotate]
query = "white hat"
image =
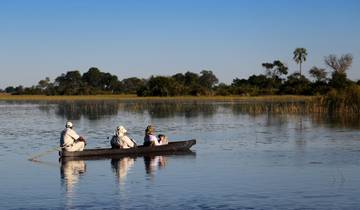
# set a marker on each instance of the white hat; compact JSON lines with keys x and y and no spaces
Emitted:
{"x":68,"y":124}
{"x":121,"y":129}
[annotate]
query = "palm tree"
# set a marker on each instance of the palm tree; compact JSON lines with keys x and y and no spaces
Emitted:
{"x":300,"y":56}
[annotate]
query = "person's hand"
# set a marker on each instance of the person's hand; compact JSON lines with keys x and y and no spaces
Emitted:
{"x":82,"y":139}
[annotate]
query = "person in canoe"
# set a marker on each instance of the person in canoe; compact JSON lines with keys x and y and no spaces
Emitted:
{"x":70,"y":140}
{"x":120,"y":140}
{"x":162,"y":139}
{"x":151,"y":140}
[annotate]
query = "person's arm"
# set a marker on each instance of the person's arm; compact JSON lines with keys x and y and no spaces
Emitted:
{"x":73,"y":134}
{"x":154,"y":141}
{"x":76,"y":137}
{"x":128,"y":141}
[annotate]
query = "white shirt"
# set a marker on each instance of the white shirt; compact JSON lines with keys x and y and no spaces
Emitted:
{"x":68,"y":136}
{"x":123,"y":141}
{"x":152,"y":138}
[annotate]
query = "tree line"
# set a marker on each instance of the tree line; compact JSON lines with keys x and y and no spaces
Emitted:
{"x":274,"y":80}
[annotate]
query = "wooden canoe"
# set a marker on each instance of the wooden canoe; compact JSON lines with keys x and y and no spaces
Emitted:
{"x":139,"y":150}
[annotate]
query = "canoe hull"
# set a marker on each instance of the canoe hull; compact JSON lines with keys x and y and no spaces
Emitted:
{"x":171,"y":147}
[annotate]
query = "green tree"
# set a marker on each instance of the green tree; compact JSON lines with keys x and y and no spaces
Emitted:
{"x":207,"y":79}
{"x":318,"y":73}
{"x":42,"y":84}
{"x":19,"y":90}
{"x":300,"y":56}
{"x":275,"y":69}
{"x":10,"y":89}
{"x":131,"y":85}
{"x":162,"y":86}
{"x":258,"y":80}
{"x":108,"y":81}
{"x":93,"y":77}
{"x":69,"y":83}
{"x":274,"y":72}
{"x":179,"y":77}
{"x":222,"y":89}
{"x":296,"y":84}
{"x":191,"y":78}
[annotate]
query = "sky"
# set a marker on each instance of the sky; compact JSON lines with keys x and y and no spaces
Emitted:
{"x":41,"y":38}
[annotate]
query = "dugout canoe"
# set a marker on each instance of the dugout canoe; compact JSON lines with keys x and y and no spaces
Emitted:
{"x":139,"y":150}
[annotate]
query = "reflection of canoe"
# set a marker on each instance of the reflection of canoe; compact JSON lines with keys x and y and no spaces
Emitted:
{"x":140,"y":150}
{"x":186,"y":152}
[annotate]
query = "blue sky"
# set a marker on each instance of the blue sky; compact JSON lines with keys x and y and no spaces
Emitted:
{"x":144,"y":38}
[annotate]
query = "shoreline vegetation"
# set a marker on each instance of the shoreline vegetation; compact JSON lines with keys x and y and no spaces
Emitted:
{"x":267,"y":98}
{"x":344,"y":105}
{"x":324,"y":94}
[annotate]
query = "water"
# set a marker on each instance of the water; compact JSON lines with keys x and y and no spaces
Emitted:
{"x":241,"y":160}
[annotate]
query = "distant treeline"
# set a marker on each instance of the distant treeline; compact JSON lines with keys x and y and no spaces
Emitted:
{"x":274,"y":81}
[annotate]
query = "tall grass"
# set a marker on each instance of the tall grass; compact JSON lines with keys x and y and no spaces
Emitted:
{"x":345,"y":101}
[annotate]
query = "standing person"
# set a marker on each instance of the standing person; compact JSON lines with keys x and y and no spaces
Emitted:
{"x":150,"y":139}
{"x":120,"y":140}
{"x":70,"y":140}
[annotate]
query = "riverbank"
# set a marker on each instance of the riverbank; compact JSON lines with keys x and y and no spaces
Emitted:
{"x":5,"y":97}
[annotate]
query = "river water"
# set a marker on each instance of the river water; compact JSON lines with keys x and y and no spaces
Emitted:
{"x":242,"y":160}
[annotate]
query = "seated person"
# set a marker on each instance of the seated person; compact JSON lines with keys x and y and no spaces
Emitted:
{"x":70,"y":140}
{"x":150,"y":139}
{"x":120,"y":140}
{"x":162,"y":139}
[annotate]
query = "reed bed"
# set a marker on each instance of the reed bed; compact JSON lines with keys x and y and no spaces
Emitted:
{"x":336,"y":102}
{"x":7,"y":97}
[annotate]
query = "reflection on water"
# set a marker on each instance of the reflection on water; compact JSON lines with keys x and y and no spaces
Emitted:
{"x":121,"y":166}
{"x":96,"y":109}
{"x":189,"y":109}
{"x":72,"y":169}
{"x":153,"y":163}
{"x":70,"y":172}
{"x":255,"y":108}
{"x":165,"y":109}
{"x":192,"y":109}
{"x":90,"y":110}
{"x":281,"y":111}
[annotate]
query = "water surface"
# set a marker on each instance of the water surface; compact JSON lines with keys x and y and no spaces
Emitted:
{"x":242,"y":159}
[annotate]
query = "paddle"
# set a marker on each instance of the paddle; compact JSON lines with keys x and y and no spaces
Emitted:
{"x":133,"y":142}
